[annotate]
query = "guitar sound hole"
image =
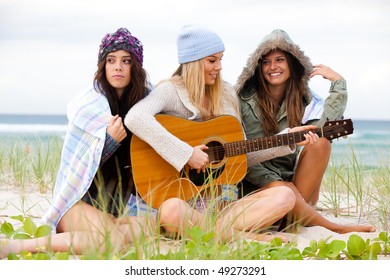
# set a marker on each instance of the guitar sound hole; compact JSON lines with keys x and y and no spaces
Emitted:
{"x":216,"y":152}
{"x":201,"y":178}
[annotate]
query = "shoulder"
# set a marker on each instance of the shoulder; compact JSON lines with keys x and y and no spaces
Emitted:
{"x":89,"y":109}
{"x":247,"y":91}
{"x":148,"y":87}
{"x":89,"y":98}
{"x":166,"y":86}
{"x":89,"y":95}
{"x":228,"y":88}
{"x":163,"y":95}
{"x":230,"y":100}
{"x":230,"y":94}
{"x":85,"y":94}
{"x":247,"y":94}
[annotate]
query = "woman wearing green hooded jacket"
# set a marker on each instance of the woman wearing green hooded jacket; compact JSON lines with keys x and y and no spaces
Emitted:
{"x":274,"y":95}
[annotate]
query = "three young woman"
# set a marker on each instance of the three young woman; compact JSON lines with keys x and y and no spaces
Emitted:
{"x":95,"y":189}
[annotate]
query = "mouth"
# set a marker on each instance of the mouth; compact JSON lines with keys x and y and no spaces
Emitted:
{"x":275,"y":74}
{"x":118,"y":76}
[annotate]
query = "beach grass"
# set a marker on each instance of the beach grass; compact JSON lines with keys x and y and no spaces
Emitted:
{"x":349,"y":188}
{"x":30,"y":163}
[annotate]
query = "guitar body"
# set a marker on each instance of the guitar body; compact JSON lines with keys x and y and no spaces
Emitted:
{"x":156,"y":180}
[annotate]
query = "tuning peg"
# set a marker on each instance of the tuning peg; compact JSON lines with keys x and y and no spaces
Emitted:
{"x":342,"y":117}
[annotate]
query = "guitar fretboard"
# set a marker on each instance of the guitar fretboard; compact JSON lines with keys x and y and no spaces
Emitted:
{"x":247,"y":146}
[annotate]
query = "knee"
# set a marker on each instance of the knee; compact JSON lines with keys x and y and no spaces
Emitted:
{"x":323,"y":146}
{"x":170,"y":211}
{"x":320,"y":150}
{"x":71,"y":220}
{"x":286,"y":198}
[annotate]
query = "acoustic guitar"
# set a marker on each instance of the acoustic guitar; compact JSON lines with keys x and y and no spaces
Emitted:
{"x":156,"y":180}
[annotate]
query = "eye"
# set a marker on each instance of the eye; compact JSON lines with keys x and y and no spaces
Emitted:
{"x":110,"y":60}
{"x":127,"y":61}
{"x":265,"y":62}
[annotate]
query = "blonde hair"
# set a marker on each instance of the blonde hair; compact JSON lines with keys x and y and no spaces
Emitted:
{"x":191,"y":75}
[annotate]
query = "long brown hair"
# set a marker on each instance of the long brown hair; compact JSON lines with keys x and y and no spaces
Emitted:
{"x":293,"y":97}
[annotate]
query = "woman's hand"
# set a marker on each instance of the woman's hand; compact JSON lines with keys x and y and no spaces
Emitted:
{"x":199,"y":159}
{"x":326,"y":73}
{"x":311,"y":137}
{"x":116,"y":129}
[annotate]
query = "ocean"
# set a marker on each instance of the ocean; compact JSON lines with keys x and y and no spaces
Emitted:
{"x":369,"y":143}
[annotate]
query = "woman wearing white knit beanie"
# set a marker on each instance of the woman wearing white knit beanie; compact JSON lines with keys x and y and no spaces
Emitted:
{"x":197,"y":92}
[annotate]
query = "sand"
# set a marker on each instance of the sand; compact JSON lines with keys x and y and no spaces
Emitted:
{"x":33,"y":204}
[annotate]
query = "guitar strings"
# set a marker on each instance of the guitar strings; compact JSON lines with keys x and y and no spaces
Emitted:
{"x":218,"y":152}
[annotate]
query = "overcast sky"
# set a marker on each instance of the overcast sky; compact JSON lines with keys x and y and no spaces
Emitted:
{"x":48,"y":49}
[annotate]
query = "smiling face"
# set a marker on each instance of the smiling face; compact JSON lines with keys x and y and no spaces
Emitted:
{"x":275,"y":68}
{"x":212,"y":67}
{"x":118,"y":70}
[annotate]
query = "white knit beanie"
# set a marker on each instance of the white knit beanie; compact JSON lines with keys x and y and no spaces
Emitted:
{"x":195,"y":42}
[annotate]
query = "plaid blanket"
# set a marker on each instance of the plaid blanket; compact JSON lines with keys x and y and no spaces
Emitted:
{"x":88,"y":115}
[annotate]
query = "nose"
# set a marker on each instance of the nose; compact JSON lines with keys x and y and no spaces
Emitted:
{"x":118,"y":66}
{"x":273,"y":64}
{"x":218,"y":66}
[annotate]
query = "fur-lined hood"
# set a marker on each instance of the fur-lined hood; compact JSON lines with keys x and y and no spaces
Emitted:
{"x":277,"y":39}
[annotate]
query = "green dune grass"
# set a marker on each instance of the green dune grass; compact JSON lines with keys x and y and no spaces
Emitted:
{"x":348,"y":187}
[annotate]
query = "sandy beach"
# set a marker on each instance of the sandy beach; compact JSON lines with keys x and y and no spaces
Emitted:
{"x":33,"y":204}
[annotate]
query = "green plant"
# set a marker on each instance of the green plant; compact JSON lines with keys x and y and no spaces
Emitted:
{"x":39,"y":161}
{"x":381,"y":197}
{"x":2,"y":163}
{"x":355,"y":248}
{"x":18,"y":164}
{"x":30,"y":162}
{"x":355,"y":180}
{"x":358,"y":249}
{"x":323,"y":250}
{"x":349,"y":179}
{"x":27,"y":230}
{"x":331,"y":190}
{"x":384,"y":240}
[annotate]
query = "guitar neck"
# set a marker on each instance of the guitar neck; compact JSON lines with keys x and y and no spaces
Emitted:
{"x":253,"y":145}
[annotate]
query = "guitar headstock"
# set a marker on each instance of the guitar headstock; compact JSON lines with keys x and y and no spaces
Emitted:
{"x":336,"y":129}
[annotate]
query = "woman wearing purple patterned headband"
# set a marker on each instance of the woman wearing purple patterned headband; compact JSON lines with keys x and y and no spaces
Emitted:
{"x":94,"y":190}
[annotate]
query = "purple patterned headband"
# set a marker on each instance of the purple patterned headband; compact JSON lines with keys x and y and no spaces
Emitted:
{"x":121,"y":40}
